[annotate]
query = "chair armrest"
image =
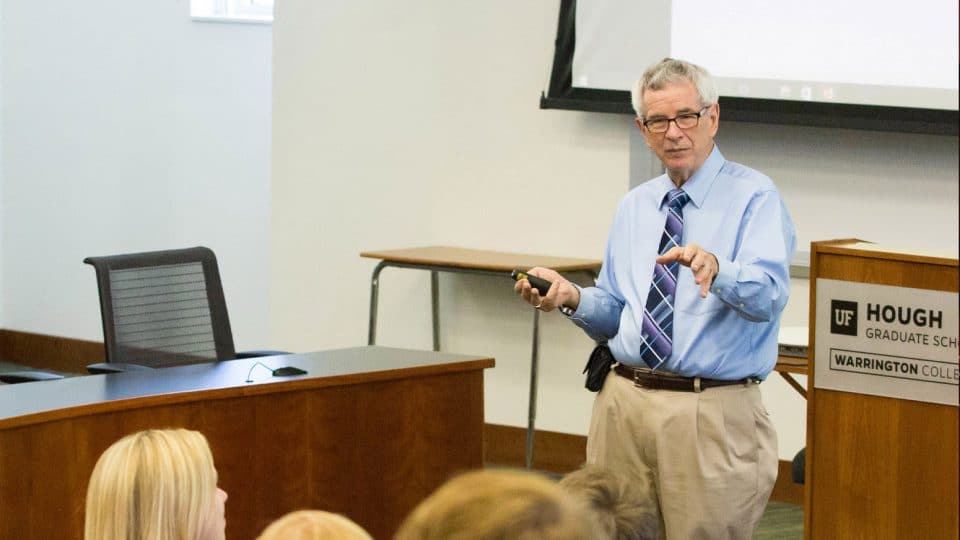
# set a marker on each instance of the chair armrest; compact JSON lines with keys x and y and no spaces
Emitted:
{"x":114,"y":367}
{"x":14,"y":377}
{"x":258,"y":354}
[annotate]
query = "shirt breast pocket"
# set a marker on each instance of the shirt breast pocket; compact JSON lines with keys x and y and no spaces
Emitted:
{"x":689,"y":301}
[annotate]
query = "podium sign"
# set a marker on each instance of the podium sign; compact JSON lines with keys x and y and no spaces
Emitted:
{"x":887,"y":341}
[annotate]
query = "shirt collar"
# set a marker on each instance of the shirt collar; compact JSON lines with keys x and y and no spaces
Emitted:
{"x":702,"y":180}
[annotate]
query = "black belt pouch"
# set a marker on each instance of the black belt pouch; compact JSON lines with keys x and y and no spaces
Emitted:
{"x":598,"y":367}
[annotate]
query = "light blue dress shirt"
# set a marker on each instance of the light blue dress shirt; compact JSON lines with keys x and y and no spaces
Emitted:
{"x":735,"y":213}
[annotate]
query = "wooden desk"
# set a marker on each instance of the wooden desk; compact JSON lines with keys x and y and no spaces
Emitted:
{"x":368,"y":432}
{"x":473,"y":261}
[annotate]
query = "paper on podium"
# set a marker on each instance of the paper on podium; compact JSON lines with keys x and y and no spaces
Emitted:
{"x":793,"y":341}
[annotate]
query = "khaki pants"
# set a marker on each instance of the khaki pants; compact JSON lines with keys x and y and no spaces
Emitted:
{"x":710,"y":458}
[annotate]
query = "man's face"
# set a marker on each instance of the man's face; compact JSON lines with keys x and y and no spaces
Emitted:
{"x":682,"y":151}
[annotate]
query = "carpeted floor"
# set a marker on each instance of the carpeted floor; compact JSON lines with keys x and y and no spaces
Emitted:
{"x":780,"y":521}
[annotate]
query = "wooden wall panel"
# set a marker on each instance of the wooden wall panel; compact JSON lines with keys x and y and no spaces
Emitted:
{"x":45,"y":352}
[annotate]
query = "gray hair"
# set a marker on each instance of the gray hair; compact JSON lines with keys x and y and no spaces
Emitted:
{"x":669,"y":71}
{"x":621,"y":510}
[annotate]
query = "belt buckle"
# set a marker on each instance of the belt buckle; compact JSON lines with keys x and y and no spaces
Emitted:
{"x":638,"y":381}
{"x":651,"y":382}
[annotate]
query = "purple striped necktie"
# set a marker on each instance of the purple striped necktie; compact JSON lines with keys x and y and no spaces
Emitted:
{"x":657,"y":332}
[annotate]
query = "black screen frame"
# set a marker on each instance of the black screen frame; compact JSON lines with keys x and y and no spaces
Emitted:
{"x":561,"y":94}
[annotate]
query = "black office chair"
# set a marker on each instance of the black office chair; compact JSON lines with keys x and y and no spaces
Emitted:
{"x":159,"y":309}
{"x":162,"y":309}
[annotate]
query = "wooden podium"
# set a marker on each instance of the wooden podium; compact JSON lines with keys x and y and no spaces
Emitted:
{"x":881,"y":466}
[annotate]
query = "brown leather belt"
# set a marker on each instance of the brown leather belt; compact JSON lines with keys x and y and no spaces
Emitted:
{"x":647,"y":378}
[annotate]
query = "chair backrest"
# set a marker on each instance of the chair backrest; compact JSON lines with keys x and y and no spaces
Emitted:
{"x":163,"y":308}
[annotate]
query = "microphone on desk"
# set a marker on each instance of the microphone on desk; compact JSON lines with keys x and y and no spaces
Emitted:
{"x":285,"y":371}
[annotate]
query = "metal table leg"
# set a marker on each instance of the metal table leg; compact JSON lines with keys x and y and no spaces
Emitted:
{"x":435,"y":307}
{"x":534,"y":365}
{"x":435,"y":314}
{"x":532,"y":410}
{"x":374,"y":289}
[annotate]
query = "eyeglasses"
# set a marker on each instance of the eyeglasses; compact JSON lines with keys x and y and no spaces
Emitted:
{"x":683,"y":121}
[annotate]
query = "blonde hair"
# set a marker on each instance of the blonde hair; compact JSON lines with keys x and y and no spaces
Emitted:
{"x":313,"y":525}
{"x":623,"y":510}
{"x":498,"y":505}
{"x":153,"y":484}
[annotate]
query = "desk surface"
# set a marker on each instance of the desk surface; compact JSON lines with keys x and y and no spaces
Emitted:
{"x":479,"y":259}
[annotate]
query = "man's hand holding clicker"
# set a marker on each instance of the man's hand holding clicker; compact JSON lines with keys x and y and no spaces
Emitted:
{"x":561,"y":292}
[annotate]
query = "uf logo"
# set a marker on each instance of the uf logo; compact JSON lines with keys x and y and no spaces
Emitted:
{"x":843,"y":317}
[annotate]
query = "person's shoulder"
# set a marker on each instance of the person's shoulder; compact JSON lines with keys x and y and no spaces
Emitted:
{"x":653,"y":188}
{"x":640,"y":199}
{"x":746,"y":177}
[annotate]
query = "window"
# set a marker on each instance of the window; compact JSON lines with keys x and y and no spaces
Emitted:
{"x":248,"y":11}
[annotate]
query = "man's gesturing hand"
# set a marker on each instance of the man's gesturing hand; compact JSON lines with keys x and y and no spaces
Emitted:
{"x":702,"y":263}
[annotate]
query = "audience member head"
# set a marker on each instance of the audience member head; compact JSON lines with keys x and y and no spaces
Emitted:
{"x":313,"y":525}
{"x":623,"y":511}
{"x":671,"y":71}
{"x":498,"y":505}
{"x":156,"y":485}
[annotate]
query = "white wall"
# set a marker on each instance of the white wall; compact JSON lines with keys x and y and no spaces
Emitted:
{"x":405,"y":124}
{"x":128,"y":127}
{"x":899,"y":189}
{"x":398,"y":125}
